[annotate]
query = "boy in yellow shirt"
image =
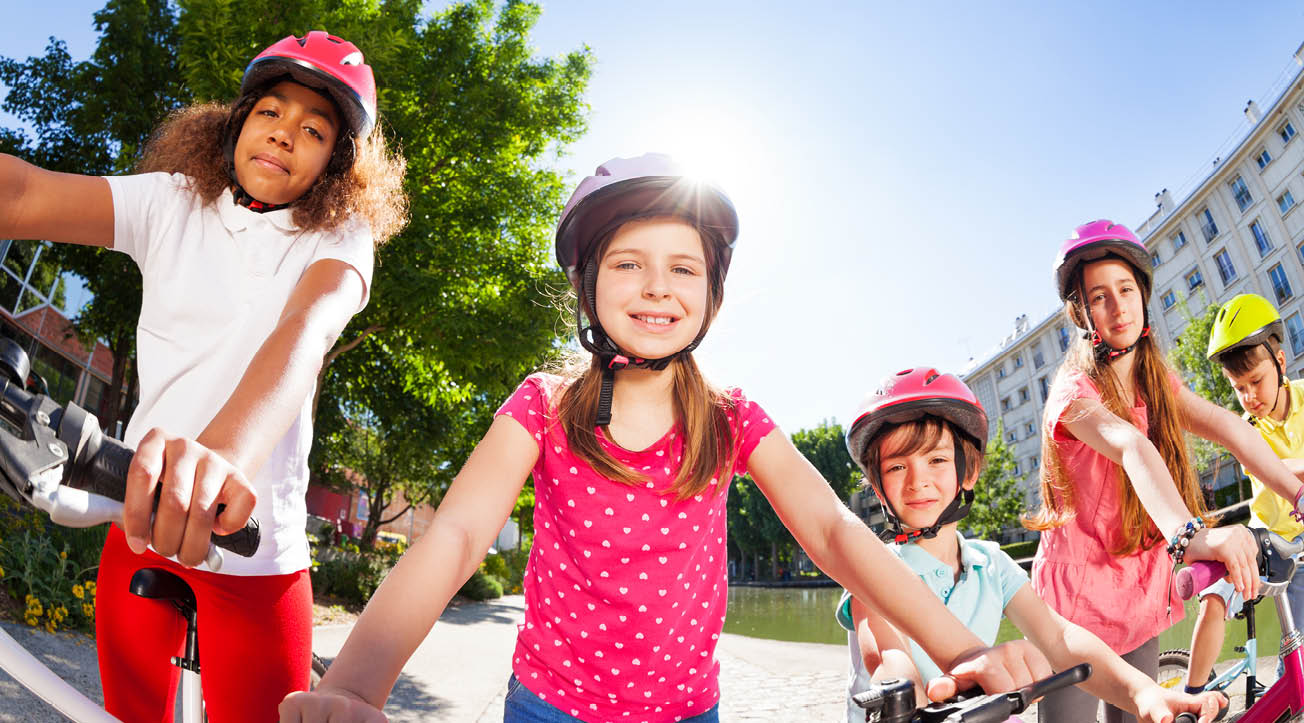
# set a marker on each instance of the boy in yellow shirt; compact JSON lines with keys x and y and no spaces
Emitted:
{"x":1246,"y":341}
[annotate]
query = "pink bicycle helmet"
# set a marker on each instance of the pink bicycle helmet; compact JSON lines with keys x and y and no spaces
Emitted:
{"x":908,"y":396}
{"x":1096,"y":240}
{"x":324,"y":62}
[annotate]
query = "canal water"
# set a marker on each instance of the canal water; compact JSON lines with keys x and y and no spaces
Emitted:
{"x":806,"y":615}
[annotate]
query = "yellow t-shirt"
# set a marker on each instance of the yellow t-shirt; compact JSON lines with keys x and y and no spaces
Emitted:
{"x":1287,"y":442}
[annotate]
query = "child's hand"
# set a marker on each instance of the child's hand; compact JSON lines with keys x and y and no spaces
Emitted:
{"x":1160,"y":705}
{"x":328,"y":704}
{"x":193,"y":480}
{"x":1006,"y":667}
{"x":1235,"y":548}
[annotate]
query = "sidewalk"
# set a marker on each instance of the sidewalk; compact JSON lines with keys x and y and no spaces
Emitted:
{"x":459,"y":674}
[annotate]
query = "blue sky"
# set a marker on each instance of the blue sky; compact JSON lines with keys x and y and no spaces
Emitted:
{"x":903,"y":171}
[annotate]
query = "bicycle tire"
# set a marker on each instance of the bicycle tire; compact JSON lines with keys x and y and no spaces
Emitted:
{"x":318,"y":671}
{"x":1173,"y":665}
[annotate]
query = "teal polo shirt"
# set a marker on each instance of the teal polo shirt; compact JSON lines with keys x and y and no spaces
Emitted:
{"x":987,"y":583}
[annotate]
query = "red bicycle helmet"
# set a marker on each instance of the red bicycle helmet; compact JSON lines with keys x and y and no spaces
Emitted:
{"x":910,"y":395}
{"x":1096,"y":240}
{"x":324,"y":62}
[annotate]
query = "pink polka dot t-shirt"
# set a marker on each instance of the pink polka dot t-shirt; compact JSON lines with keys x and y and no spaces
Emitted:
{"x":625,"y":589}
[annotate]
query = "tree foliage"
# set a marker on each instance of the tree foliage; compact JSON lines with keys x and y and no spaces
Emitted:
{"x":458,"y":310}
{"x":998,"y":498}
{"x":1205,"y":376}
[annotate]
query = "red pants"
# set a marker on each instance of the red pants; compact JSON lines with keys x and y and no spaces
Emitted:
{"x":255,"y":639}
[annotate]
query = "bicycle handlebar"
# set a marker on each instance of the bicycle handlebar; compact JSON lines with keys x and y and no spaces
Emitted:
{"x":1276,"y":560}
{"x":61,"y":462}
{"x":1197,"y":576}
{"x":892,"y":701}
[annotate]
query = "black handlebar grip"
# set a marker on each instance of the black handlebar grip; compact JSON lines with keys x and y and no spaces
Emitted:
{"x":108,"y":477}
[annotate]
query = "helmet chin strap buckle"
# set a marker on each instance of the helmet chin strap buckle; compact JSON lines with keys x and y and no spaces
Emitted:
{"x":618,"y":362}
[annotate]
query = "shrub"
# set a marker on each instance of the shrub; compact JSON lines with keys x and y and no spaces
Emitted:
{"x":51,"y":569}
{"x":353,"y":576}
{"x":482,"y":586}
{"x":1020,"y":550}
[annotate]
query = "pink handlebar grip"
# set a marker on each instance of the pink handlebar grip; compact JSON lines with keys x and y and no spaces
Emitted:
{"x":1199,"y":575}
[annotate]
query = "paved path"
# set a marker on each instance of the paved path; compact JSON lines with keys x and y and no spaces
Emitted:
{"x":459,"y":674}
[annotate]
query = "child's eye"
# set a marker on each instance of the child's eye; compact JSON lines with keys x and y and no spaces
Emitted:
{"x":626,"y":265}
{"x":268,"y":112}
{"x":684,"y":270}
{"x":939,"y":460}
{"x":315,"y":133}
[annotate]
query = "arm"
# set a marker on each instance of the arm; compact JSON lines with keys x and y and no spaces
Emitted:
{"x":1223,"y":427}
{"x":1112,"y":679}
{"x":414,"y":594}
{"x":885,"y":653}
{"x":214,"y":468}
{"x":36,"y":204}
{"x":841,"y":545}
{"x":1089,"y":421}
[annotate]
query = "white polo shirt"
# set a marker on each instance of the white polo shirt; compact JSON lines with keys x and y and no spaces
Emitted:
{"x":216,"y":279}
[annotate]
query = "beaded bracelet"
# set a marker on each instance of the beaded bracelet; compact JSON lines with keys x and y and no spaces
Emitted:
{"x":1297,"y":512}
{"x":1177,"y":545}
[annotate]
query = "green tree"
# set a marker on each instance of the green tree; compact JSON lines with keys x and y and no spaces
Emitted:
{"x":998,"y":496}
{"x":825,"y":447}
{"x":455,"y":317}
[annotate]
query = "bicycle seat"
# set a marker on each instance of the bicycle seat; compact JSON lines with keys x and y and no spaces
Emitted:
{"x":158,"y":584}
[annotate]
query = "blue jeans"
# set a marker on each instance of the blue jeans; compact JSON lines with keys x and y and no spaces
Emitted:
{"x":523,"y":706}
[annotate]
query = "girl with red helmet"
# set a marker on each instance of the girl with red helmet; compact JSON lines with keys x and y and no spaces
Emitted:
{"x":1120,"y":501}
{"x":253,"y":225}
{"x":632,"y":452}
{"x":919,"y":439}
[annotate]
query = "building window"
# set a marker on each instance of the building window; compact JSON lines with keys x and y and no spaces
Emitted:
{"x":1285,"y":202}
{"x":1034,"y":462}
{"x":1286,"y":131}
{"x":1005,"y":404}
{"x":1044,"y":387}
{"x":1018,"y":361}
{"x":1029,"y":430}
{"x":1154,"y":260}
{"x":1017,"y":471}
{"x":1168,"y":299}
{"x":1194,"y":280}
{"x":1000,"y":371}
{"x":1295,"y":330}
{"x":1241,"y":193}
{"x":1038,"y":359}
{"x":1207,"y":225}
{"x":1179,"y":240}
{"x":1012,"y":436}
{"x":1023,"y":395}
{"x":1064,"y":338}
{"x":1301,"y":252}
{"x":1263,"y":159}
{"x":1280,"y":284}
{"x":1261,"y":240}
{"x":1225,"y":268}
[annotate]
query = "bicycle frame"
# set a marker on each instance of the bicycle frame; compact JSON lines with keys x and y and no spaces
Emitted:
{"x":34,"y":676}
{"x":1286,"y":696}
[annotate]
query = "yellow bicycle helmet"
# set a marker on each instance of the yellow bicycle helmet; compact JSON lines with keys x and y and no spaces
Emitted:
{"x":1247,"y":320}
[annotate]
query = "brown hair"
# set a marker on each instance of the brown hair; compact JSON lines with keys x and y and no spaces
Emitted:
{"x":1153,"y":381}
{"x":190,"y":142}
{"x":921,"y":435}
{"x":1243,"y":359}
{"x":702,"y":411}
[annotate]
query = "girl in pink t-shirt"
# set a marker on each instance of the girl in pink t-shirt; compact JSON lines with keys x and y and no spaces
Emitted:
{"x":632,"y":454}
{"x":1118,"y":493}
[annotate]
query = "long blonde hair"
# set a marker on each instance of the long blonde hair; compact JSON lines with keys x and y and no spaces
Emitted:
{"x":1153,"y":379}
{"x":702,"y":411}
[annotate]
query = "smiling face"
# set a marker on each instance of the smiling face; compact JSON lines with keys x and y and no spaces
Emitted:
{"x":1115,"y":301}
{"x":652,"y":287}
{"x":916,"y":468}
{"x":285,"y":143}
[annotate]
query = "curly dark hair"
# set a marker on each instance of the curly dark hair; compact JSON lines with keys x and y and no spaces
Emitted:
{"x":191,"y":142}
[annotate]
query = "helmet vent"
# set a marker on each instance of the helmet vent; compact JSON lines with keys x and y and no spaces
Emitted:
{"x":303,"y":42}
{"x":930,"y":379}
{"x":352,"y":59}
{"x":1233,"y":321}
{"x":903,"y":373}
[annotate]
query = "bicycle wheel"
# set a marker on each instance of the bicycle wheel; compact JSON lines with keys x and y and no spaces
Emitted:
{"x":318,"y":670}
{"x":1173,"y":665}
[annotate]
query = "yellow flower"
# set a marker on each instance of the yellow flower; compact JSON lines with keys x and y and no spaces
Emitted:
{"x":78,"y":592}
{"x":2,"y":573}
{"x":50,"y":626}
{"x":63,"y":555}
{"x":30,"y":620}
{"x":88,"y":610}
